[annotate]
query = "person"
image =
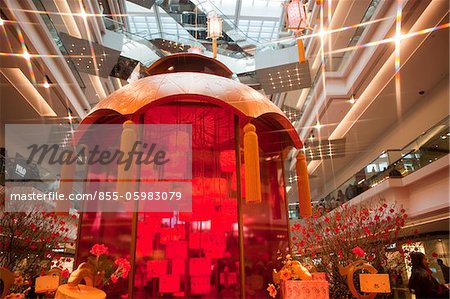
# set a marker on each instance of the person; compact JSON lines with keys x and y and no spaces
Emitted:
{"x":445,"y":270}
{"x":340,"y":197}
{"x":422,"y":282}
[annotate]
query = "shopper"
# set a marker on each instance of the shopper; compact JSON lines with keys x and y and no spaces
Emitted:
{"x":422,"y":282}
{"x":445,"y":270}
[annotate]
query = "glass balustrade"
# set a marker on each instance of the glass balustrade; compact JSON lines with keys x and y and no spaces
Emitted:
{"x":391,"y":164}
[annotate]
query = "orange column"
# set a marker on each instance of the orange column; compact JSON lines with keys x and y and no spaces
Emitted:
{"x":304,"y":195}
{"x":251,"y":162}
{"x":127,"y":141}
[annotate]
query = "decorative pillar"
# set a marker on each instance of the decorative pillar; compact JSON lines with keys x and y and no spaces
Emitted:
{"x":304,"y":195}
{"x":251,"y":162}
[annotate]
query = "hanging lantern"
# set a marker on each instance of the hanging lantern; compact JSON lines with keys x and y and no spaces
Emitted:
{"x":296,"y":20}
{"x":214,"y":30}
{"x":304,"y":196}
{"x":295,"y":16}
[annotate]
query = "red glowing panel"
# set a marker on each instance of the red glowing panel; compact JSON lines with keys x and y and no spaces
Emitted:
{"x":200,"y":285}
{"x":178,"y":266}
{"x":171,"y":234}
{"x":209,"y":187}
{"x":214,"y":245}
{"x":169,"y":284}
{"x":195,"y":240}
{"x":199,"y":266}
{"x":145,"y":241}
{"x":202,"y":209}
{"x":176,"y":249}
{"x":228,"y":278}
{"x":156,"y":268}
{"x":228,"y":161}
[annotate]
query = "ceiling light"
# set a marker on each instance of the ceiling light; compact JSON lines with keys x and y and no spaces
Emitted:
{"x":318,"y":126}
{"x":2,"y":22}
{"x":397,"y":37}
{"x":352,"y":99}
{"x":26,"y":55}
{"x":46,"y":85}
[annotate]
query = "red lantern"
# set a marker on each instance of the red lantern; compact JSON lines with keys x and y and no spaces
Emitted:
{"x":214,"y":30}
{"x":296,"y":20}
{"x":296,"y":17}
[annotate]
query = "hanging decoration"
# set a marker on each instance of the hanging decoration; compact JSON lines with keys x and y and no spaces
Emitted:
{"x":251,"y":162}
{"x":214,"y":30}
{"x":124,"y":176}
{"x":304,"y":195}
{"x":296,"y":20}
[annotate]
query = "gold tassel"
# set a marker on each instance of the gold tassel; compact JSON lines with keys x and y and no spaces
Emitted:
{"x":66,"y":184}
{"x":251,"y":162}
{"x":301,"y":51}
{"x":304,"y":195}
{"x":125,"y":176}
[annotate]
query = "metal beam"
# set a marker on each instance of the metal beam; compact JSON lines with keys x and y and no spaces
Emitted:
{"x":237,"y":13}
{"x":158,"y":20}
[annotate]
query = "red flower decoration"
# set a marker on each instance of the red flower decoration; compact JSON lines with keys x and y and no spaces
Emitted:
{"x":124,"y":266}
{"x":65,"y":273}
{"x":434,"y":254}
{"x":99,"y":249}
{"x":114,"y":278}
{"x":358,"y":251}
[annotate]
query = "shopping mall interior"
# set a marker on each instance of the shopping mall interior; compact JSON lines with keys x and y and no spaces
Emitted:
{"x":307,"y":146}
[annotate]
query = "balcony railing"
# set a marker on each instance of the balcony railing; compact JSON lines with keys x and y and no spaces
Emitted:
{"x":424,"y":150}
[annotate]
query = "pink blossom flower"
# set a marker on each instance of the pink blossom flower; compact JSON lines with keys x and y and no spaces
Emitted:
{"x":99,"y":249}
{"x":124,"y":267}
{"x":65,"y":273}
{"x":358,"y":251}
{"x":114,"y":278}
